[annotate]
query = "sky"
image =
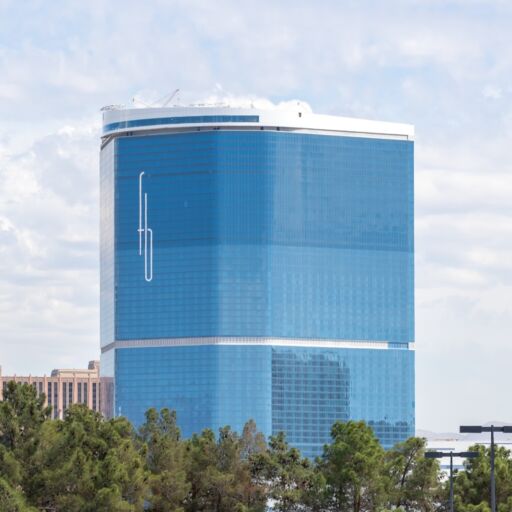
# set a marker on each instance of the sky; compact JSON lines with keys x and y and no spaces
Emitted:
{"x":443,"y":65}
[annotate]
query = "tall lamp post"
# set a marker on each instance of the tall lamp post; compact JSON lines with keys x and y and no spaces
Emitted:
{"x":439,"y":455}
{"x":478,"y":429}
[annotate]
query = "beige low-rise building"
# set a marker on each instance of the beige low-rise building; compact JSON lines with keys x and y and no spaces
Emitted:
{"x":64,"y":387}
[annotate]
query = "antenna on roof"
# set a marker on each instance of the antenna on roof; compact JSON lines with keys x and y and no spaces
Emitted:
{"x":162,"y":102}
{"x":170,"y":97}
{"x":136,"y":101}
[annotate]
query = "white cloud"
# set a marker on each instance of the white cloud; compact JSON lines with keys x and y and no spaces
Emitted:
{"x":492,"y":92}
{"x":48,"y":244}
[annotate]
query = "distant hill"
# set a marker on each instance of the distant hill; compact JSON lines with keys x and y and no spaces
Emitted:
{"x":455,"y":436}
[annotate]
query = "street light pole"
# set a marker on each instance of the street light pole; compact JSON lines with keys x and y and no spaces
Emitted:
{"x":478,"y":429}
{"x":451,"y":481}
{"x":493,"y":479}
{"x":439,"y":455}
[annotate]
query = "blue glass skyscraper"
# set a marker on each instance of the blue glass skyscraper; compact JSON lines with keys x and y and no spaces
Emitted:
{"x":258,"y":264}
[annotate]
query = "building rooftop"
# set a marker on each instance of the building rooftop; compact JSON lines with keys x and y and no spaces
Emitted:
{"x":299,"y":118}
{"x":92,"y":370}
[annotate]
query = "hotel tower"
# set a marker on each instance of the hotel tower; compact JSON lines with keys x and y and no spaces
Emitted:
{"x":258,"y":264}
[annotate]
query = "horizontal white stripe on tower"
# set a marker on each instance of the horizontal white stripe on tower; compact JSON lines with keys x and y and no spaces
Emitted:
{"x":279,"y":342}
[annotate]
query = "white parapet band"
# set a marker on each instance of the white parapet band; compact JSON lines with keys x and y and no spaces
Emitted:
{"x":279,"y":342}
{"x":175,"y":119}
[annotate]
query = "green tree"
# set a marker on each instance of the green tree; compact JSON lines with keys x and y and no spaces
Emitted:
{"x":11,"y":470}
{"x":252,"y":441}
{"x":165,"y":457}
{"x":22,"y":417}
{"x":220,"y":476}
{"x":413,"y":481}
{"x":352,"y":466}
{"x":482,"y":507}
{"x":472,"y":485}
{"x":22,"y":413}
{"x":291,"y":480}
{"x":85,"y":463}
{"x":12,"y":500}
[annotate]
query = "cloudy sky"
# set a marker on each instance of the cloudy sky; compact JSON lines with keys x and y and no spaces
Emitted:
{"x":443,"y":65}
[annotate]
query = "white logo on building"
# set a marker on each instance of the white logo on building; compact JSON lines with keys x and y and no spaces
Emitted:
{"x":145,"y":248}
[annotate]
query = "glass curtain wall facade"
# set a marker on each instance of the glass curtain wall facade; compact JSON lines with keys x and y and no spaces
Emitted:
{"x":259,"y":274}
